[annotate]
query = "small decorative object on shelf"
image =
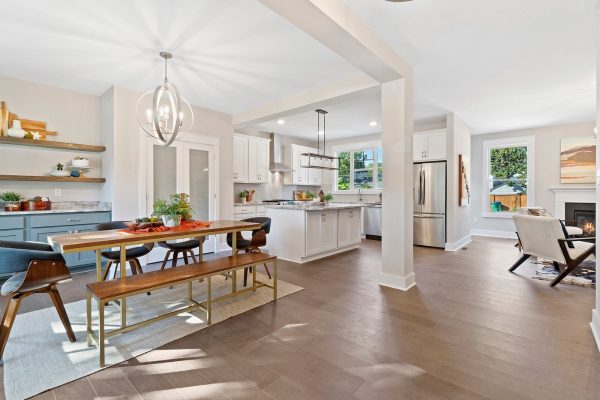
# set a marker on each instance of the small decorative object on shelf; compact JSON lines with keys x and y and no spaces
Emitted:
{"x":249,"y":195}
{"x":243,"y":196}
{"x":75,"y":173}
{"x":174,"y":210}
{"x":16,"y":130}
{"x":59,"y":167}
{"x":80,"y":162}
{"x":327,"y":198}
{"x":11,"y":201}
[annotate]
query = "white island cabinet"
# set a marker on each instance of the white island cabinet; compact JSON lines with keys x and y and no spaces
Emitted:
{"x":300,"y":234}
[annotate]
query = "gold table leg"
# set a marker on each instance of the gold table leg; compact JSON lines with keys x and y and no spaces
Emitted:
{"x":233,"y":253}
{"x":275,"y":280}
{"x":200,"y":249}
{"x":98,"y":266}
{"x":88,"y":307}
{"x":101,"y":332}
{"x":190,"y":293}
{"x":123,"y":276}
{"x":208,"y":302}
{"x":254,"y":278}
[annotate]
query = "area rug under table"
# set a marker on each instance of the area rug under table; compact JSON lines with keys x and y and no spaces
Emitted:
{"x":39,"y":357}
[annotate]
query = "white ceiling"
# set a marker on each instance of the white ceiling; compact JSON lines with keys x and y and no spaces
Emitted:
{"x":347,"y":118}
{"x":230,"y":55}
{"x":499,"y":65}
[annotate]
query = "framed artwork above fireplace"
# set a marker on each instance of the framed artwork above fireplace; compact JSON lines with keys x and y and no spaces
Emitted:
{"x":578,"y":160}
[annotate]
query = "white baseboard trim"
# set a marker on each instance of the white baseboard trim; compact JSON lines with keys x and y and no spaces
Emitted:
{"x":458,"y":244}
{"x":595,"y":324}
{"x":498,"y":234}
{"x":397,"y":282}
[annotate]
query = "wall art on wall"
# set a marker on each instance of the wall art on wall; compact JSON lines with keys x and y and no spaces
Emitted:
{"x":578,"y":160}
{"x":464,"y":189}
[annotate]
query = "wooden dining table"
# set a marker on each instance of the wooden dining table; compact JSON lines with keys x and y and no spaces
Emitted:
{"x":102,"y":240}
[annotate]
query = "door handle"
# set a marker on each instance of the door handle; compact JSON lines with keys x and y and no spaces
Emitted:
{"x":424,"y":190}
{"x":72,"y":219}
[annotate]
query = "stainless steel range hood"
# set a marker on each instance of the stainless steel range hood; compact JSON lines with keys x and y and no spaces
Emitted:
{"x":277,"y":164}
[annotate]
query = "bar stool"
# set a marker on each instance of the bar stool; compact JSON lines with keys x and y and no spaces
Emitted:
{"x":184,"y":248}
{"x":131,"y":254}
{"x":37,"y":269}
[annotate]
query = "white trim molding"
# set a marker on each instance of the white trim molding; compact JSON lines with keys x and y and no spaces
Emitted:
{"x":595,"y":324}
{"x":496,"y":234}
{"x":403,"y":283}
{"x":527,"y":141}
{"x":459,"y":244}
{"x":571,"y":195}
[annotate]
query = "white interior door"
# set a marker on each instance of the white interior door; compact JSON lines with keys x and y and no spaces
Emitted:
{"x":184,"y":167}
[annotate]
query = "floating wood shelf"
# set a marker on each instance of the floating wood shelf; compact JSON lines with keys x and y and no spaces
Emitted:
{"x":33,"y":178}
{"x":51,"y":145}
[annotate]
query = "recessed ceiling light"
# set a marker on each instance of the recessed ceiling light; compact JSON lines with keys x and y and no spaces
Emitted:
{"x":281,"y":121}
{"x":373,"y":123}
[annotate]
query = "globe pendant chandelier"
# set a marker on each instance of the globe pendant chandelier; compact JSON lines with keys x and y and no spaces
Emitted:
{"x":163,"y":113}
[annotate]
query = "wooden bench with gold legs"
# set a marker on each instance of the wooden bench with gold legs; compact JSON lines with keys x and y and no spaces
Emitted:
{"x":105,"y":292}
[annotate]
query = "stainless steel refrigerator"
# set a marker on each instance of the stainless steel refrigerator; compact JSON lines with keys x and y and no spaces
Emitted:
{"x":429,"y":204}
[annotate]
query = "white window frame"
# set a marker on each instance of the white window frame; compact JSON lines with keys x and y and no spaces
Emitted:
{"x":373,"y":144}
{"x":488,"y":145}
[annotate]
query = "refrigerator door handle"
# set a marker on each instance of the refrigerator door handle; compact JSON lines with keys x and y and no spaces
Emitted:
{"x":423,"y":190}
{"x":420,"y":187}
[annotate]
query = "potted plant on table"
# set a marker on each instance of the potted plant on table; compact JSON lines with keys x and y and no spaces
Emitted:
{"x":327,"y":198}
{"x":174,"y":210}
{"x":11,"y":201}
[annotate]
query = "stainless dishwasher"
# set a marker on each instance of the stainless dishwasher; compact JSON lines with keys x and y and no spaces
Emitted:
{"x":373,"y":221}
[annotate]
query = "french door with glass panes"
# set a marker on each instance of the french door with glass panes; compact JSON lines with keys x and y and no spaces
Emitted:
{"x":183,"y":167}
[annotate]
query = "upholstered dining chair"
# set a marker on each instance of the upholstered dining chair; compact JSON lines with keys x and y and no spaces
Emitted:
{"x":36,"y":268}
{"x":543,"y":237}
{"x":186,"y":247}
{"x":131,"y":254}
{"x":258,"y":240}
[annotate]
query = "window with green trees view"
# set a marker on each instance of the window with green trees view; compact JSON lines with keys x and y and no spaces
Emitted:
{"x":508,"y":178}
{"x":360,"y":169}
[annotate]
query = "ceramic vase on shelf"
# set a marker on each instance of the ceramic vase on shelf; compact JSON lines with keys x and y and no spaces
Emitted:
{"x":16,"y":130}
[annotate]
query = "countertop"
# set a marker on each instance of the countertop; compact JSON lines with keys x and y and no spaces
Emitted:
{"x":66,"y":207}
{"x":306,"y":207}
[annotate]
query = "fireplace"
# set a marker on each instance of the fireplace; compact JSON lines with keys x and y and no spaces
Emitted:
{"x":582,"y":215}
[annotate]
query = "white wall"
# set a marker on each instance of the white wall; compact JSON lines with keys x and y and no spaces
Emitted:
{"x":547,"y":175}
{"x":458,"y":141}
{"x":125,"y":137}
{"x":75,"y":117}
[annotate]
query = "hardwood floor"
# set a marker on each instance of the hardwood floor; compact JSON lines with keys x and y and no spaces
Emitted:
{"x":469,"y":330}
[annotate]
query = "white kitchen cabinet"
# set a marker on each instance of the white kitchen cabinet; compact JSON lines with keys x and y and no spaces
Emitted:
{"x":240,"y":159}
{"x":301,"y":175}
{"x":321,"y":231}
{"x":349,"y":227}
{"x":249,"y":211}
{"x":250,"y":159}
{"x":258,"y":160}
{"x":429,"y":146}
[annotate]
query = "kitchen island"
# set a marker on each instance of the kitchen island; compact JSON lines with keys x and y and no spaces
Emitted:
{"x":301,"y":233}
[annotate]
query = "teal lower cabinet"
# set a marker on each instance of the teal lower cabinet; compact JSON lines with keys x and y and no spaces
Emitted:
{"x":37,"y":228}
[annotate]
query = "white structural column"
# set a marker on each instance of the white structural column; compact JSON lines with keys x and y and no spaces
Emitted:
{"x":397,"y":228}
{"x":337,"y":27}
{"x":596,"y":311}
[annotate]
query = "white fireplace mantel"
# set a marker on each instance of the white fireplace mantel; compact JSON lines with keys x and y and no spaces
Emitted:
{"x":563,"y":195}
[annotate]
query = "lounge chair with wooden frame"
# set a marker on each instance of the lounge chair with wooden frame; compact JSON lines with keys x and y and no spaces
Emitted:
{"x":543,"y":237}
{"x":37,"y":269}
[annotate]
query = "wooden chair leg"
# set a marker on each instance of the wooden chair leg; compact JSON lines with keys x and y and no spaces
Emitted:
{"x":563,"y":274}
{"x":116,"y":265}
{"x":62,"y":313}
{"x":139,"y":266}
{"x":520,"y":261}
{"x":106,"y":270}
{"x":246,"y":277}
{"x":193,"y":256}
{"x":175,"y":256}
{"x":166,"y":259}
{"x":8,"y":319}
{"x":185,"y":257}
{"x":267,"y":269}
{"x":556,"y":266}
{"x":133,"y":267}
